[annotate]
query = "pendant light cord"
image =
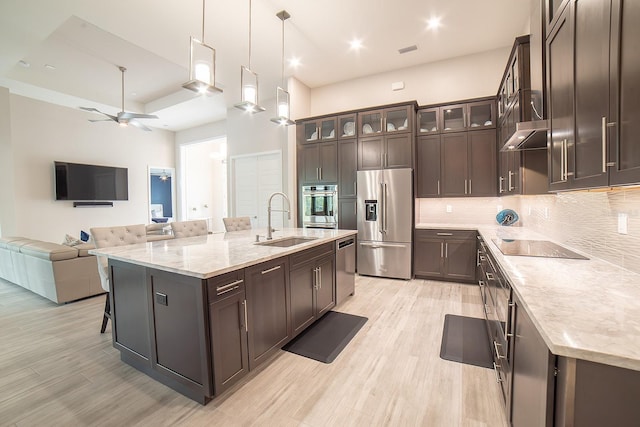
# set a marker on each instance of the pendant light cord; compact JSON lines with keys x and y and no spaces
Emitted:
{"x":283,"y":53}
{"x":250,"y":34}
{"x":203,"y":22}
{"x":122,"y":69}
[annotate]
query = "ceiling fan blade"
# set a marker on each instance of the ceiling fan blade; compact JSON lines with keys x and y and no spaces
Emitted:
{"x":128,"y":115}
{"x":139,"y":125}
{"x":100,"y":120}
{"x":95,"y":110}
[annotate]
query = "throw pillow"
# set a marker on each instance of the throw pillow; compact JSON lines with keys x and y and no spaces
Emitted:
{"x":71,"y":241}
{"x":84,"y":236}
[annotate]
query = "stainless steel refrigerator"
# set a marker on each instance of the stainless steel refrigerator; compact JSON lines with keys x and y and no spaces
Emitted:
{"x":385,"y":222}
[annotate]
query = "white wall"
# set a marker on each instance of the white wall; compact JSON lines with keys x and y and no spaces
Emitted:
{"x":43,"y":132}
{"x":7,"y":212}
{"x":470,"y":76}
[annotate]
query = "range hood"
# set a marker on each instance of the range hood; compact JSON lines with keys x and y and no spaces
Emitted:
{"x":528,"y":136}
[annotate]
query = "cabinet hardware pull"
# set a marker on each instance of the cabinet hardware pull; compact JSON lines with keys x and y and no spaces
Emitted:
{"x":246,"y":322}
{"x":319,"y":277}
{"x":495,"y":346}
{"x":320,"y":173}
{"x":230,"y":286}
{"x":483,"y":258}
{"x":510,"y":186}
{"x":604,"y":144}
{"x":226,"y":290}
{"x":470,"y":192}
{"x":444,"y":234}
{"x":438,"y":187}
{"x":501,"y":181}
{"x":489,"y":276}
{"x":446,"y":250}
{"x":277,"y":267}
{"x":315,"y":278}
{"x":381,"y":125}
{"x":481,"y":283}
{"x":478,"y":258}
{"x":495,"y":369}
{"x":441,"y":249}
{"x":465,"y":186}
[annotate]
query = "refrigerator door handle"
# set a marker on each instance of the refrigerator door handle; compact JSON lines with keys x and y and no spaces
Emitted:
{"x":383,"y":245}
{"x":382,"y":208}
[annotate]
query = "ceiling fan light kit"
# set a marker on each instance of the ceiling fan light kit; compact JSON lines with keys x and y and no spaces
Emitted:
{"x":249,"y":83}
{"x":202,"y":65}
{"x":282,"y":96}
{"x":123,"y":118}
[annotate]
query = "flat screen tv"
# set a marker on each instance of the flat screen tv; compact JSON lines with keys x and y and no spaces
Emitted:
{"x":75,"y":181}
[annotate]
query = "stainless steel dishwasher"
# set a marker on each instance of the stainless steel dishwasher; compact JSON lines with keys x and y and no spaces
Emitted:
{"x":345,"y":268}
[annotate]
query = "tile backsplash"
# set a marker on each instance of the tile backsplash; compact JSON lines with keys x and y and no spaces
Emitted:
{"x":594,"y":222}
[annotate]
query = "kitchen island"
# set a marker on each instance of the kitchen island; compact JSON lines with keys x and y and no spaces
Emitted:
{"x":199,"y":313}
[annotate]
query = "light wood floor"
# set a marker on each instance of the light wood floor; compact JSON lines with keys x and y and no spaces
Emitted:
{"x":57,"y":369}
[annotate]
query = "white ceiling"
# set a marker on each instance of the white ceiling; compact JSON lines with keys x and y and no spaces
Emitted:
{"x":86,"y":40}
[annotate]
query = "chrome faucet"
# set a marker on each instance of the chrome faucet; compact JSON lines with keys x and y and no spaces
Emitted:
{"x":269,"y":210}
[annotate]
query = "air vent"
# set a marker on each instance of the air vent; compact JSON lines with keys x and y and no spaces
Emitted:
{"x":407,"y":49}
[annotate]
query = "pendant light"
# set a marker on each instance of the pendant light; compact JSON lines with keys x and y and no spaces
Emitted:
{"x":202,"y":65}
{"x":282,"y":96}
{"x":249,"y":83}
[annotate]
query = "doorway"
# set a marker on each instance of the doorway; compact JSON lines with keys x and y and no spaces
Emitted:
{"x":204,"y":186}
{"x":162,"y":194}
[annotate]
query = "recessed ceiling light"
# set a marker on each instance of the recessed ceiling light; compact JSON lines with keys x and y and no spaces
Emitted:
{"x":49,"y":67}
{"x":294,"y":62}
{"x":356,"y":44}
{"x":24,"y":63}
{"x":434,"y":23}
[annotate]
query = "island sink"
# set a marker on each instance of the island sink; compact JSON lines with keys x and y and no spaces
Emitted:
{"x":286,"y":242}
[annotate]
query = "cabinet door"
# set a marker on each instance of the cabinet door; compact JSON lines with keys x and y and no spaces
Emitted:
{"x":370,"y":122}
{"x":303,"y":281}
{"x":398,"y":119}
{"x":482,"y":115}
{"x":428,"y":258}
{"x":560,"y":100}
{"x":347,"y":214}
{"x":428,"y":166}
{"x":181,"y":343}
{"x":454,"y":164}
{"x":514,"y":172}
{"x":268,"y":308}
{"x":370,"y":153}
{"x":591,"y":56}
{"x":347,"y":167}
{"x":399,"y":151}
{"x":460,"y":259}
{"x":327,"y":128}
{"x":428,"y":121}
{"x":309,"y":168}
{"x":532,"y":380}
{"x":325,"y":285}
{"x":625,"y":93}
{"x":328,"y":153}
{"x":228,"y":341}
{"x":453,"y":118}
{"x":482,"y":163}
{"x":347,"y":126}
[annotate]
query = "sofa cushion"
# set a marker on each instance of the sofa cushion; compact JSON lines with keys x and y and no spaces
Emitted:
{"x":84,"y":248}
{"x":13,"y":242}
{"x":48,"y":250}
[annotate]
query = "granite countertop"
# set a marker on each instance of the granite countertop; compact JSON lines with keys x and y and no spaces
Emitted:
{"x":214,"y":254}
{"x":585,"y":309}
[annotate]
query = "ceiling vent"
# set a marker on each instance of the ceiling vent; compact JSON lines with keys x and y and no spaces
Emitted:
{"x":407,"y":49}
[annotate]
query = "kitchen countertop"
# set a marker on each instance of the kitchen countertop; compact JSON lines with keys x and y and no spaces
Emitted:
{"x":214,"y":254}
{"x":584,"y":309}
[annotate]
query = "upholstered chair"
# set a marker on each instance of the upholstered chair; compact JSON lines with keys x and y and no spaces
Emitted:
{"x":105,"y":237}
{"x":196,"y":227}
{"x":238,"y":223}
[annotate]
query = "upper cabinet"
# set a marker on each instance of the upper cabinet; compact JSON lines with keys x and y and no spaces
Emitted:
{"x":347,"y":126}
{"x":318,"y":150}
{"x":397,"y":119}
{"x":428,"y":121}
{"x":317,"y":130}
{"x":592,"y":76}
{"x":469,"y":116}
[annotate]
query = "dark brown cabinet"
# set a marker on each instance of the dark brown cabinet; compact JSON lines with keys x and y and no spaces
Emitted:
{"x":445,"y":254}
{"x":313,"y":290}
{"x":393,"y":119}
{"x":347,"y":167}
{"x":268,"y":309}
{"x":468,"y":164}
{"x":347,"y":214}
{"x":228,"y":328}
{"x":428,"y":166}
{"x":318,"y":162}
{"x":428,"y":121}
{"x":319,"y":130}
{"x":385,"y":152}
{"x":592,"y":90}
{"x":475,"y":115}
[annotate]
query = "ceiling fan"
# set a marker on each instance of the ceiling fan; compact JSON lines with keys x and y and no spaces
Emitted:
{"x":123,"y":118}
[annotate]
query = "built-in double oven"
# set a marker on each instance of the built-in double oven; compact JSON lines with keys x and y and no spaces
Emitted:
{"x":320,"y":206}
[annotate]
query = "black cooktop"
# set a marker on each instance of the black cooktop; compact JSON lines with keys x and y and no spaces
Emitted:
{"x":538,"y":248}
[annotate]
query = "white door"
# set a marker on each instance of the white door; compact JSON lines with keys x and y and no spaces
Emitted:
{"x":255,"y":178}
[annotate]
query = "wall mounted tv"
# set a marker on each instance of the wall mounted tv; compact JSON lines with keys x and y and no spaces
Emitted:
{"x":75,"y":181}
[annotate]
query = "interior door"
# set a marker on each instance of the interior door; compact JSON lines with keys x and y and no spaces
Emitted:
{"x":255,"y":178}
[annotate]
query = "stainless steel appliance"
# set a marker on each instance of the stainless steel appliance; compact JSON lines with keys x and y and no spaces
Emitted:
{"x":537,"y":248}
{"x":320,"y":206}
{"x":385,"y":222}
{"x":345,"y":268}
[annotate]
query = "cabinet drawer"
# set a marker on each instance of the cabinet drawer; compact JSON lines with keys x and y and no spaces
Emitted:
{"x":300,"y":258}
{"x":225,"y":285}
{"x":446,"y":234}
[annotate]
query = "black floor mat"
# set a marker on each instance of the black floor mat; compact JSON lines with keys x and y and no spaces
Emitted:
{"x":465,"y":340}
{"x":327,"y":337}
